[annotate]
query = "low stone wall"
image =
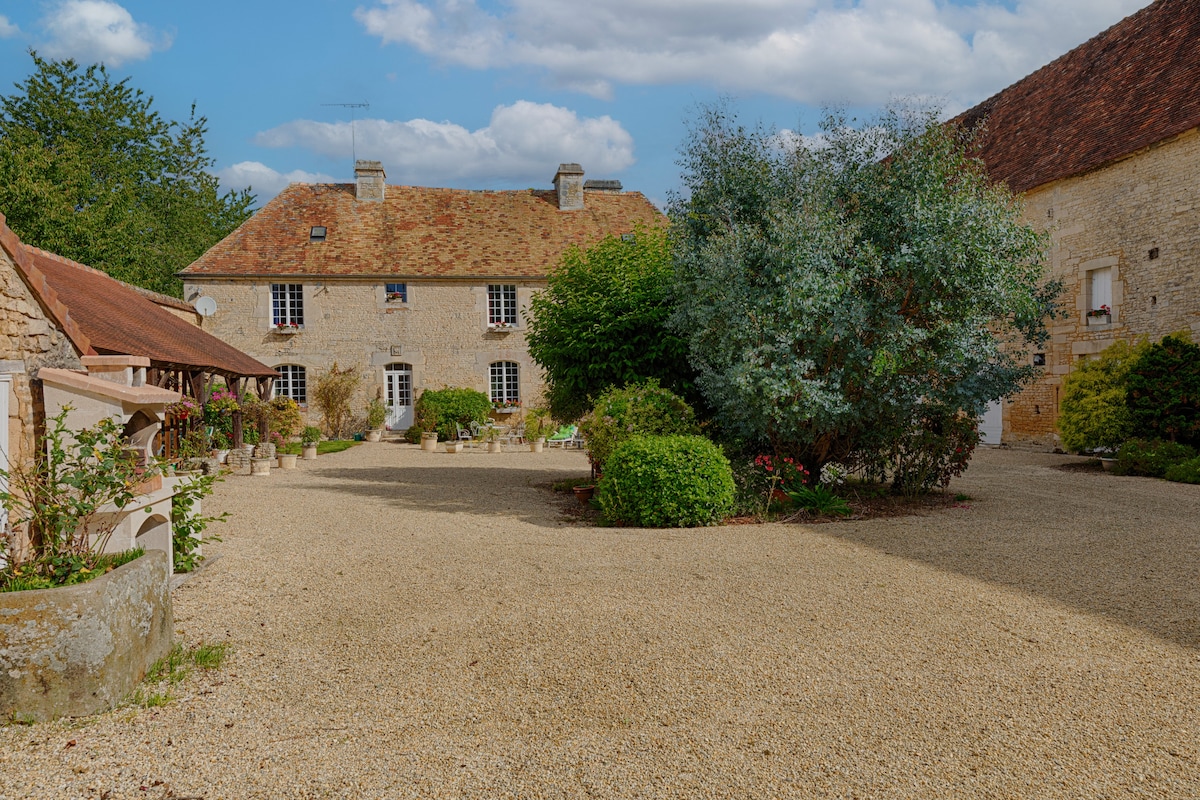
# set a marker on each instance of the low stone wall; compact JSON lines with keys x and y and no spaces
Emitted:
{"x":81,"y":649}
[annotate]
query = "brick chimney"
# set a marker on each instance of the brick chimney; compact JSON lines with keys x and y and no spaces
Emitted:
{"x":568,"y":182}
{"x":369,"y":178}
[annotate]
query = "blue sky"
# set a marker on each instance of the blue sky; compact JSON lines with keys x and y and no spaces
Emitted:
{"x":494,"y":95}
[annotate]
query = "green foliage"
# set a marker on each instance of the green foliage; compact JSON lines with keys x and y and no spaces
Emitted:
{"x":376,"y":414}
{"x":1164,"y":391}
{"x":838,"y":294}
{"x":188,"y":524}
{"x":332,"y":393}
{"x":666,"y":482}
{"x":89,"y":170}
{"x":173,"y":668}
{"x":643,"y":409}
{"x":1184,"y":471}
{"x":55,"y":499}
{"x":537,"y":423}
{"x":1094,"y":413}
{"x":285,"y":418}
{"x":934,"y":448}
{"x":64,"y":571}
{"x":218,"y":416}
{"x":413,"y":434}
{"x":310,"y":435}
{"x":602,"y":322}
{"x":445,"y":409}
{"x":1151,"y":457}
{"x":818,"y":500}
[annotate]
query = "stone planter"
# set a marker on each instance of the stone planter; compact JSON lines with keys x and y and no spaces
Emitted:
{"x":248,"y":449}
{"x":260,"y":466}
{"x":1102,"y":319}
{"x":454,"y":447}
{"x":264,"y":450}
{"x":81,"y":649}
{"x":239,"y":460}
{"x":373,"y":436}
{"x":309,"y":452}
{"x":221,"y":455}
{"x":536,"y":445}
{"x":429,"y":441}
{"x":494,"y":446}
{"x":287,"y":460}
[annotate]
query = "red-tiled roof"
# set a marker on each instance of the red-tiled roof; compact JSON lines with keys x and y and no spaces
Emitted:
{"x":42,"y":291}
{"x":117,"y":320}
{"x":1131,"y":86}
{"x":417,"y":232}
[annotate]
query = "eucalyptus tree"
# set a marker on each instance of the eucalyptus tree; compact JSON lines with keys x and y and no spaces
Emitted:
{"x":855,"y":296}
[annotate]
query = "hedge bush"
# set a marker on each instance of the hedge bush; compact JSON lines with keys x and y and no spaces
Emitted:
{"x":1164,"y":391}
{"x":640,"y":409}
{"x":1151,"y":457}
{"x":1184,"y":472}
{"x":446,"y":409}
{"x":1095,"y":414}
{"x":666,"y":482}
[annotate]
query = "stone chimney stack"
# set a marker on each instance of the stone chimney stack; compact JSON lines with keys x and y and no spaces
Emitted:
{"x":568,"y":182}
{"x":369,"y":178}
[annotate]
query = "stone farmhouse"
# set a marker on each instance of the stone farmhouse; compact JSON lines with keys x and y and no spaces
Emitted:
{"x":1104,"y":145}
{"x":419,"y":288}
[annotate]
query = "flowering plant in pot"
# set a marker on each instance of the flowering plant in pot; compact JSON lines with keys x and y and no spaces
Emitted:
{"x":1102,"y":311}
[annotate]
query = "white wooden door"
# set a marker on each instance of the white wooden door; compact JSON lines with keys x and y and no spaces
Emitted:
{"x":991,"y":424}
{"x":399,"y":397}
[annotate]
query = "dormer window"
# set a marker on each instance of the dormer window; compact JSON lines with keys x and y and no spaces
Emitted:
{"x":317,"y":233}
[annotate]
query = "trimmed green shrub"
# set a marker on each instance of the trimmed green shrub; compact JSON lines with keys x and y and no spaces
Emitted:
{"x":1164,"y":391}
{"x":445,"y":409}
{"x":413,"y":434}
{"x":1184,"y":472}
{"x":640,"y":409}
{"x":666,"y":482}
{"x":1151,"y":457}
{"x":1094,"y":413}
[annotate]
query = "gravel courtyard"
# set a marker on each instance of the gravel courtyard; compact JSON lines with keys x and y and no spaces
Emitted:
{"x":408,"y":624}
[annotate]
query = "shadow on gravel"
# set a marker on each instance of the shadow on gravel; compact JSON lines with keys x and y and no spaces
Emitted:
{"x":1106,"y":548}
{"x":483,"y":490}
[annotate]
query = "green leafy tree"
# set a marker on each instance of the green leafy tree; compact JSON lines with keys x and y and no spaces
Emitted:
{"x":1094,"y":413}
{"x":838,"y":295}
{"x":89,"y":170}
{"x":602,"y":322}
{"x":1164,"y":391}
{"x":332,"y":393}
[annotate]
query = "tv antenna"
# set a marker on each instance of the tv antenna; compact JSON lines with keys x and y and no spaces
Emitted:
{"x":351,"y":106}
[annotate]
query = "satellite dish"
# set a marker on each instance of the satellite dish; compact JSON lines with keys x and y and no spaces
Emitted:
{"x":205,"y":306}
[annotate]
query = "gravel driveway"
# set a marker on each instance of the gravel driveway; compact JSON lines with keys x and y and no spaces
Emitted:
{"x":408,"y":624}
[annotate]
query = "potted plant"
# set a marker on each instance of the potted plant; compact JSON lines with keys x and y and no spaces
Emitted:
{"x":536,"y":422}
{"x":286,"y":327}
{"x":376,"y":416}
{"x":308,"y":442}
{"x":491,"y":435}
{"x":1099,"y":316}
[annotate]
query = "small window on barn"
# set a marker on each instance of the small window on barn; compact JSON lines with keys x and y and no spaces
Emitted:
{"x":317,"y":233}
{"x":396,"y":292}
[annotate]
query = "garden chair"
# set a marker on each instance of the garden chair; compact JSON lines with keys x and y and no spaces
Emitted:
{"x":465,"y":436}
{"x":562,"y":436}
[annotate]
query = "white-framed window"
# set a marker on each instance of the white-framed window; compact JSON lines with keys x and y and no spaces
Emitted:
{"x":395,"y":292}
{"x":502,"y":305}
{"x":1099,"y":288}
{"x":505,"y":382}
{"x":292,"y":382}
{"x":287,"y":304}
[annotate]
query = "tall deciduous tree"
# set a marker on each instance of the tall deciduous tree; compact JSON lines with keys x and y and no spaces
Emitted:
{"x":90,"y":171}
{"x":842,"y":295}
{"x":602,"y":322}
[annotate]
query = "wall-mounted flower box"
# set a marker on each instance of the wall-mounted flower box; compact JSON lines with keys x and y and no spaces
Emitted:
{"x":1099,"y":319}
{"x":286,"y":330}
{"x":501,"y":327}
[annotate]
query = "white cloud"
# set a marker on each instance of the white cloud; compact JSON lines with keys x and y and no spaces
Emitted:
{"x":523,"y":142}
{"x":7,"y":29}
{"x":99,"y":30}
{"x":816,"y":51}
{"x":264,"y":181}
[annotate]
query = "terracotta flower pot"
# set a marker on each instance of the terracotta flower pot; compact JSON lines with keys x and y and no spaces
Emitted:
{"x":584,"y":493}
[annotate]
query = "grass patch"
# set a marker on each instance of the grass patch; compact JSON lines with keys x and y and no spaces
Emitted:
{"x":31,"y":576}
{"x":330,"y":446}
{"x":570,"y":483}
{"x":173,"y":668}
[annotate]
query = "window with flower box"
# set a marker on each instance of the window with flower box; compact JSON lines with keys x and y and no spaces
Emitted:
{"x":502,"y":305}
{"x":505,"y":384}
{"x":395,"y":292}
{"x":287,"y":306}
{"x":292,"y":382}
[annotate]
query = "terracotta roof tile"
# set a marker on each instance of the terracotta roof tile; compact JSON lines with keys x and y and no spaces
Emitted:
{"x":116,"y":319}
{"x":417,"y":232}
{"x":1131,"y":86}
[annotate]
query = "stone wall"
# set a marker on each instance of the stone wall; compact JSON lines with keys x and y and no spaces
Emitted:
{"x":1137,"y":217}
{"x":28,"y":341}
{"x":441,"y":331}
